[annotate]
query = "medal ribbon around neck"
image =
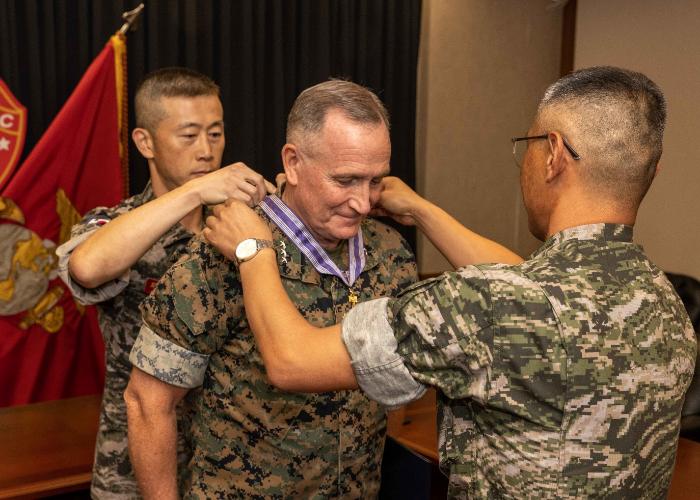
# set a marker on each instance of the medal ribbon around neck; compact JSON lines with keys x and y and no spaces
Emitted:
{"x":296,"y":231}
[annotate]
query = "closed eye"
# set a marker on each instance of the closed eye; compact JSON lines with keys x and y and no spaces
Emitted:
{"x":345,"y":181}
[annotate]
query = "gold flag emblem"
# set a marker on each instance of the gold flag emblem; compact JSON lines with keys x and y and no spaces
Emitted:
{"x":28,"y":264}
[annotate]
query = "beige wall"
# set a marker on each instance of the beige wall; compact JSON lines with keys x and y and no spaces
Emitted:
{"x":662,"y":40}
{"x":483,"y":67}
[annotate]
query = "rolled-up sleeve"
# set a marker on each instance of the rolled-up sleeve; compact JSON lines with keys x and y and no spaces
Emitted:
{"x":167,"y":361}
{"x":87,"y":296}
{"x":379,"y":369}
{"x":437,"y":333}
{"x":186,"y":318}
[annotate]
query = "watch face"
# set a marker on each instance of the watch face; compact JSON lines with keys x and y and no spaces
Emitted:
{"x":246,"y":249}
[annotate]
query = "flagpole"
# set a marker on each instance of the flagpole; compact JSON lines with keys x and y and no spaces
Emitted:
{"x":118,"y":41}
{"x":130,"y":18}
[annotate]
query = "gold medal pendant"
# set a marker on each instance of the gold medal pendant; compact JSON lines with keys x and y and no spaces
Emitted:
{"x":352,"y":298}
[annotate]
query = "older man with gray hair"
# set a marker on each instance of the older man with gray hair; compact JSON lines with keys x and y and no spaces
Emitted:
{"x":252,"y":440}
{"x":559,"y":377}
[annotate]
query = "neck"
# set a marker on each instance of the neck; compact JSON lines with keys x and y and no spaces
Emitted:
{"x":582,"y":211}
{"x":157,"y":184}
{"x":193,"y":220}
{"x":289,"y":200}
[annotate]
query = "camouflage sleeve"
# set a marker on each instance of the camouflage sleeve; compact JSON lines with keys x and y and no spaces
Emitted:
{"x":442,"y":336}
{"x":80,"y":232}
{"x":185,"y":318}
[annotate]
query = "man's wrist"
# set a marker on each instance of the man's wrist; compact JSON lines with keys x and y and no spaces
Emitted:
{"x":187,"y":196}
{"x":421,"y":212}
{"x":264,"y":257}
{"x":250,"y":247}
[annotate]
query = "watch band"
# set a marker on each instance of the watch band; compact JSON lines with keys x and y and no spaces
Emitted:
{"x":259,"y":245}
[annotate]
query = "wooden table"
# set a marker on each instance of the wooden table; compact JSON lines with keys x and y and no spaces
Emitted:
{"x":47,"y":448}
{"x":415,"y":427}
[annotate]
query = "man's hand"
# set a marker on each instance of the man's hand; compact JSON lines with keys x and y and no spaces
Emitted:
{"x":236,"y":181}
{"x":232,"y":223}
{"x":398,"y":201}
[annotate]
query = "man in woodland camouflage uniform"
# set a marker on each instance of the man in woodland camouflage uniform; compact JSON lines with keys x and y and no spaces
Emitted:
{"x":116,"y":255}
{"x":560,"y":377}
{"x":250,"y":439}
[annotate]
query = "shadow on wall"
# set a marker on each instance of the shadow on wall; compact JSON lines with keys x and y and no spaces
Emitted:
{"x":688,"y":290}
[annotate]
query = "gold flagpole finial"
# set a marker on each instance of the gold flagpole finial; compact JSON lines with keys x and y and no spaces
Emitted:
{"x":130,"y":19}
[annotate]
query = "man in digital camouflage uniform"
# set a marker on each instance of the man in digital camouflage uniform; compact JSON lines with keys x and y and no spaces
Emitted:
{"x":560,"y":377}
{"x":250,"y":439}
{"x":116,"y":255}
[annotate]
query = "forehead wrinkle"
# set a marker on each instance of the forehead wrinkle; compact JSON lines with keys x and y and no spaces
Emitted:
{"x":361,"y":171}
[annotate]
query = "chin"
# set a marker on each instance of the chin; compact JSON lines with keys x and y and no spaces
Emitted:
{"x":346,"y":232}
{"x":537,"y":232}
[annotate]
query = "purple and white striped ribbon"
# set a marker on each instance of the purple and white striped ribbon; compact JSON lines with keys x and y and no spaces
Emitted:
{"x":296,"y":231}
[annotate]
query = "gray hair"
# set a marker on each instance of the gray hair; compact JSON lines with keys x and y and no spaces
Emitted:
{"x":356,"y":102}
{"x":618,"y":118}
{"x":168,"y":82}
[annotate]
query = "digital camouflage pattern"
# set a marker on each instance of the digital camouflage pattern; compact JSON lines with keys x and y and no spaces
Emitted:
{"x":120,"y":320}
{"x":252,"y":440}
{"x":562,"y":377}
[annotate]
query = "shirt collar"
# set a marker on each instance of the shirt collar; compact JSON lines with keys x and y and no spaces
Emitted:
{"x":601,"y":231}
{"x":292,"y":263}
{"x":146,"y":195}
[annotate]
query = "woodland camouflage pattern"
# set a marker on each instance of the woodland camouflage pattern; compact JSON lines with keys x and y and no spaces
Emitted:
{"x":252,"y":440}
{"x":562,"y":377}
{"x":120,"y":321}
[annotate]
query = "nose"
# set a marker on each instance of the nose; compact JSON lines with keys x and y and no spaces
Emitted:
{"x":360,"y":200}
{"x":204,"y":147}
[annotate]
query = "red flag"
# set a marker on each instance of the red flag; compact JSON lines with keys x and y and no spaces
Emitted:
{"x":50,"y":347}
{"x":13,"y":128}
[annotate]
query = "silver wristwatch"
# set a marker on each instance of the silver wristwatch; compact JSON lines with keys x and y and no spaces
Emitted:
{"x":247,"y":249}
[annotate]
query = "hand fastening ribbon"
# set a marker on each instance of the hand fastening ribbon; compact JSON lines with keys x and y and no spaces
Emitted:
{"x":296,"y":231}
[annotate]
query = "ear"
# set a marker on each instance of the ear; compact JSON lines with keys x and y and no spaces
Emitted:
{"x":557,"y":161}
{"x":292,"y":163}
{"x":144,"y":142}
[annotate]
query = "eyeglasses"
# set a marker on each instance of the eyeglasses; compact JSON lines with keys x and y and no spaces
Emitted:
{"x":520,"y":146}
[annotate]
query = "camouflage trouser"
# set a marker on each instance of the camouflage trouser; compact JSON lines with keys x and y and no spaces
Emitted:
{"x":112,"y":475}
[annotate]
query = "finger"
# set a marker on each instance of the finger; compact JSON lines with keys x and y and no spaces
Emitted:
{"x":247,"y":187}
{"x":280,"y":179}
{"x":240,"y":167}
{"x":271,"y":188}
{"x":243,"y":197}
{"x":260,"y":185}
